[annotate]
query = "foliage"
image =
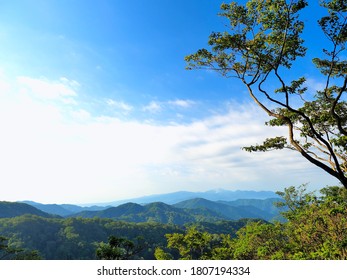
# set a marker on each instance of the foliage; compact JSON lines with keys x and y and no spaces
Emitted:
{"x":5,"y":250}
{"x":160,"y":254}
{"x":260,"y":241}
{"x":319,"y":227}
{"x":192,"y":245}
{"x":118,"y":248}
{"x":202,"y":241}
{"x":79,"y":238}
{"x":82,"y":238}
{"x":315,"y":228}
{"x":10,"y":253}
{"x":263,"y":41}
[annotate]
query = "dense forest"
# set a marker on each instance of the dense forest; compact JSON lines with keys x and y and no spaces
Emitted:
{"x":315,"y":229}
{"x":78,"y":238}
{"x":312,"y":227}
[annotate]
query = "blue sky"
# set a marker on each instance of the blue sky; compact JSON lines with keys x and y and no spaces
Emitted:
{"x":95,"y":105}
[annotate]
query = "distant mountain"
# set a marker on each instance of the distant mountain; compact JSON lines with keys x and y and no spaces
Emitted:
{"x":188,"y":206}
{"x":234,"y":210}
{"x":154,"y":212}
{"x":62,"y":209}
{"x":213,"y":195}
{"x":265,"y":206}
{"x":14,"y":209}
{"x":189,"y":211}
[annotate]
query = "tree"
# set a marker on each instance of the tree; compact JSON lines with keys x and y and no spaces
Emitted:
{"x":160,"y":254}
{"x":192,"y":245}
{"x":117,"y":249}
{"x":263,"y":41}
{"x":10,"y":253}
{"x":5,"y":250}
{"x":316,"y":229}
{"x":317,"y":225}
{"x":261,"y":241}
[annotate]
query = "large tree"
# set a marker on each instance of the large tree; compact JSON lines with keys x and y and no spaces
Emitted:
{"x":263,"y":40}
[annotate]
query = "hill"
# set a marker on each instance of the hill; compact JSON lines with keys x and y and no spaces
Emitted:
{"x":63,"y":210}
{"x":189,"y":211}
{"x":229,"y":212}
{"x":14,"y":209}
{"x":154,"y":212}
{"x":234,"y":210}
{"x":78,"y":238}
{"x":265,"y":206}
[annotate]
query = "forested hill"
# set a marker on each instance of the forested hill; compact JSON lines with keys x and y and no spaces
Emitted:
{"x":62,"y":209}
{"x":154,"y":212}
{"x":188,"y":211}
{"x":192,"y":210}
{"x":78,"y":238}
{"x":13,"y":209}
{"x":234,"y":210}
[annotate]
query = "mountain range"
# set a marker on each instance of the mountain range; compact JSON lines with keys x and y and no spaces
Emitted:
{"x":188,"y":207}
{"x":213,"y":195}
{"x":188,"y":211}
{"x":63,"y":210}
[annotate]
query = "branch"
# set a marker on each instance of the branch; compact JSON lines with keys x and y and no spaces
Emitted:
{"x":335,"y":173}
{"x":309,"y":122}
{"x":333,"y":112}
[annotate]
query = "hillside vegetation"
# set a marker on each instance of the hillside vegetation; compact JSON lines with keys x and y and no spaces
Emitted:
{"x":79,"y":238}
{"x":14,"y":209}
{"x":312,"y":227}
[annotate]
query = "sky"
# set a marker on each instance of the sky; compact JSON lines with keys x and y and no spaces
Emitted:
{"x":96,"y":105}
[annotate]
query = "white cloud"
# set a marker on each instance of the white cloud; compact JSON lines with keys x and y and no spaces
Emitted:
{"x":119,"y":104}
{"x":156,"y":107}
{"x":48,"y":157}
{"x":152,"y":107}
{"x":81,"y":115}
{"x":314,"y":85}
{"x":181,"y":103}
{"x":63,"y":90}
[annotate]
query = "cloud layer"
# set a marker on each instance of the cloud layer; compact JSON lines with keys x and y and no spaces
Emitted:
{"x":53,"y":149}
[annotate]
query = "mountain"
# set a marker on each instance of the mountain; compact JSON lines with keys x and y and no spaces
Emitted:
{"x":14,"y":209}
{"x":153,"y":212}
{"x":211,"y":205}
{"x":229,"y":212}
{"x":213,"y":195}
{"x":62,"y":209}
{"x":124,"y":210}
{"x":265,"y":206}
{"x":188,"y":211}
{"x":234,"y":210}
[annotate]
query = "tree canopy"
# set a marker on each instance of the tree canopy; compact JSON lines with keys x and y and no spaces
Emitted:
{"x":315,"y":229}
{"x":118,"y":248}
{"x":263,"y":40}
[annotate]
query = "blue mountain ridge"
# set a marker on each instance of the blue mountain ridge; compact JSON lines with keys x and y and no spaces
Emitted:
{"x":177,"y":207}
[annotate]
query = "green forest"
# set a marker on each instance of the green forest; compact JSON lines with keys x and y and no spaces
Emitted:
{"x":30,"y":236}
{"x":313,"y":226}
